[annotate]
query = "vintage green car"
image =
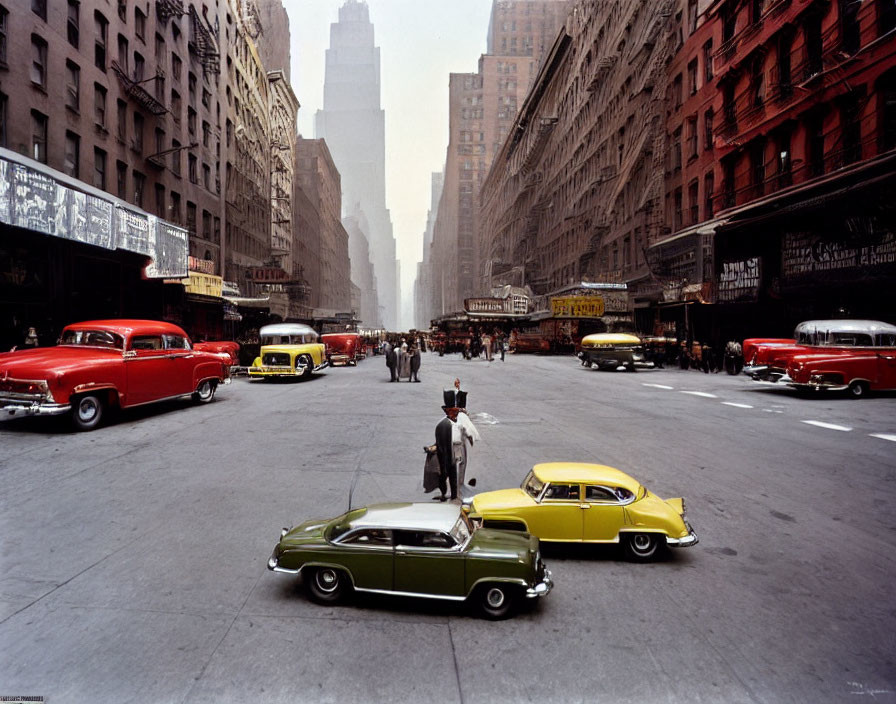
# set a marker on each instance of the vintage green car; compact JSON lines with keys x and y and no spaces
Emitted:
{"x":414,"y":549}
{"x":288,"y":349}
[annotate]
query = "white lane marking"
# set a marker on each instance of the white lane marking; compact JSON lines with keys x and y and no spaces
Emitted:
{"x":883,"y":436}
{"x":700,"y":393}
{"x":658,"y":386}
{"x":829,"y":426}
{"x":771,"y":410}
{"x":736,"y":405}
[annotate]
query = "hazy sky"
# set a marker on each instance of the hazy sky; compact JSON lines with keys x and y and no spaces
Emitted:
{"x":421,"y":42}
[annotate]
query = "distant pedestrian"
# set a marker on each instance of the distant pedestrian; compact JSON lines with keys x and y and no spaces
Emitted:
{"x":414,"y":354}
{"x":487,"y":346}
{"x":502,"y":346}
{"x":391,"y":361}
{"x":404,"y":362}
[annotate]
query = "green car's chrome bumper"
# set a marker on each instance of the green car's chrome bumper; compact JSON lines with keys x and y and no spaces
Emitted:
{"x":274,"y":564}
{"x":543,"y":588}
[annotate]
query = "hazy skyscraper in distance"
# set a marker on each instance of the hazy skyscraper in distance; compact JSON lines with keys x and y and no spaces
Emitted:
{"x":353,"y":125}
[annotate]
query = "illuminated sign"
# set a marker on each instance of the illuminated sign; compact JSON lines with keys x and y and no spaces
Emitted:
{"x":577,"y":307}
{"x":488,"y":305}
{"x":269,"y":275}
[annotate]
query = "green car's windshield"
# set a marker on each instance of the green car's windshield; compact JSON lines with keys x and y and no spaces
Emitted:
{"x":461,"y":530}
{"x":532,"y":485}
{"x":343,"y":524}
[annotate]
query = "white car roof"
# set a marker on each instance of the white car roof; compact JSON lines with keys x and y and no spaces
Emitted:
{"x":868,"y":326}
{"x":409,"y":516}
{"x":287,"y":329}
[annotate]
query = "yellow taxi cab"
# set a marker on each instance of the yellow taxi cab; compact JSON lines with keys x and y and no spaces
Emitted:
{"x":613,"y":351}
{"x":288,"y":349}
{"x":587,"y":503}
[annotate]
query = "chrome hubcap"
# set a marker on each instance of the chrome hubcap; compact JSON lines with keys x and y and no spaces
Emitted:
{"x":87,"y":409}
{"x":205,"y":390}
{"x":495,"y":598}
{"x":642,"y":542}
{"x":327,"y":580}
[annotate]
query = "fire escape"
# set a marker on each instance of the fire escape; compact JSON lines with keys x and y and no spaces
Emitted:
{"x":166,"y":9}
{"x":134,"y":89}
{"x":203,"y":44}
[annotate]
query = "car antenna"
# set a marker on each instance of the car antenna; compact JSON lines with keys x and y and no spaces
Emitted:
{"x":351,"y":489}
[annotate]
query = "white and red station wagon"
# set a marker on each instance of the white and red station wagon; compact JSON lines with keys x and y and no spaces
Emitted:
{"x":103,"y":364}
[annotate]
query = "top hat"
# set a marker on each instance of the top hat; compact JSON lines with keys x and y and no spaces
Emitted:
{"x":448,"y":398}
{"x":461,"y":399}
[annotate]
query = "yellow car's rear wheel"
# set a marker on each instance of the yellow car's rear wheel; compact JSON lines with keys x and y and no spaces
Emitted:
{"x":643,"y":547}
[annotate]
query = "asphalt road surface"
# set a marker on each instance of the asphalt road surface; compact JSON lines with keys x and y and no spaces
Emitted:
{"x":134,"y":557}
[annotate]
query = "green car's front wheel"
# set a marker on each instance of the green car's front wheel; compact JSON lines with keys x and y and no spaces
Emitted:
{"x":327,"y":585}
{"x":496,"y":601}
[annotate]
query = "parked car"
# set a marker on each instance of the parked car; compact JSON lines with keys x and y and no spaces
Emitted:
{"x":613,"y":351}
{"x":856,"y":372}
{"x":103,"y":364}
{"x":415,"y":549}
{"x":228,"y":351}
{"x":766,"y":359}
{"x":288,"y":349}
{"x":587,"y":503}
{"x":342,"y":348}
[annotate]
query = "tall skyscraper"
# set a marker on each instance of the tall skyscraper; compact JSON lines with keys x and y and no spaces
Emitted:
{"x":353,"y":125}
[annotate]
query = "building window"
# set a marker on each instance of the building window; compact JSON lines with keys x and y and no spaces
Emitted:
{"x":191,"y":120}
{"x":207,"y":177}
{"x":176,"y":107}
{"x":756,"y":7}
{"x":123,"y":53}
{"x":160,"y":49}
{"x":707,"y":62}
{"x":206,"y":225}
{"x":815,"y":144}
{"x":757,"y":166}
{"x":785,"y":46}
{"x":139,"y":186}
{"x":206,"y":134}
{"x":850,"y":121}
{"x":123,"y":10}
{"x":72,"y":86}
{"x":99,"y":168}
{"x":692,"y":16}
{"x":175,"y":207}
{"x":176,"y":66}
{"x":757,"y":82}
{"x":38,"y":62}
{"x":692,"y":77}
{"x":729,"y":105}
{"x":160,"y":140}
{"x":99,"y":105}
{"x":191,"y":87}
{"x":140,"y":24}
{"x":4,"y":28}
{"x":784,"y":159}
{"x":692,"y":136}
{"x":814,"y":44}
{"x":192,"y":166}
{"x":138,"y":133}
{"x":71,"y":162}
{"x":121,"y":174}
{"x":4,"y":107}
{"x":99,"y":47}
{"x":730,"y":194}
{"x":708,"y":193}
{"x":122,"y":109}
{"x":694,"y":201}
{"x":676,"y":91}
{"x":887,"y":97}
{"x":206,"y":99}
{"x":886,"y":16}
{"x":679,"y":215}
{"x":708,"y":118}
{"x":676,"y":150}
{"x":39,"y":8}
{"x":191,"y":218}
{"x":73,"y":26}
{"x":160,"y":200}
{"x":39,"y":136}
{"x":849,"y":26}
{"x":175,"y":157}
{"x":139,"y":66}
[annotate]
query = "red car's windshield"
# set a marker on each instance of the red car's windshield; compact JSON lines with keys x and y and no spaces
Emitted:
{"x":92,"y":338}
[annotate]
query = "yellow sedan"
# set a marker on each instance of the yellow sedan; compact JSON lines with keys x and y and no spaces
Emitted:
{"x":587,"y":503}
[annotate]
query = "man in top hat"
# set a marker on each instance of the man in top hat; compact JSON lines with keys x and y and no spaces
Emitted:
{"x":452,"y":434}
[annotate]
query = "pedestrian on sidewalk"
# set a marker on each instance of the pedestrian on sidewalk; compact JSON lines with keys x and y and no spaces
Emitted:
{"x":414,"y":354}
{"x":391,"y":361}
{"x":453,"y":433}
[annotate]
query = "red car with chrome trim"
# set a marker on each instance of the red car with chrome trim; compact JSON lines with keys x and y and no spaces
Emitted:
{"x":103,"y":364}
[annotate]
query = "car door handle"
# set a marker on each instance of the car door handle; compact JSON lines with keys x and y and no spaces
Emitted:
{"x":400,"y":552}
{"x":584,"y":506}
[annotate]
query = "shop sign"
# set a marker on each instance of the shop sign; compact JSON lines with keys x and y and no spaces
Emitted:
{"x":205,"y":266}
{"x":488,"y":305}
{"x":808,"y":252}
{"x":204,"y":284}
{"x":269,"y":275}
{"x":740,"y":280}
{"x":578,"y":307}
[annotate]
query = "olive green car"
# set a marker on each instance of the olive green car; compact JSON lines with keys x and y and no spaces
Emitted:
{"x":414,"y":549}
